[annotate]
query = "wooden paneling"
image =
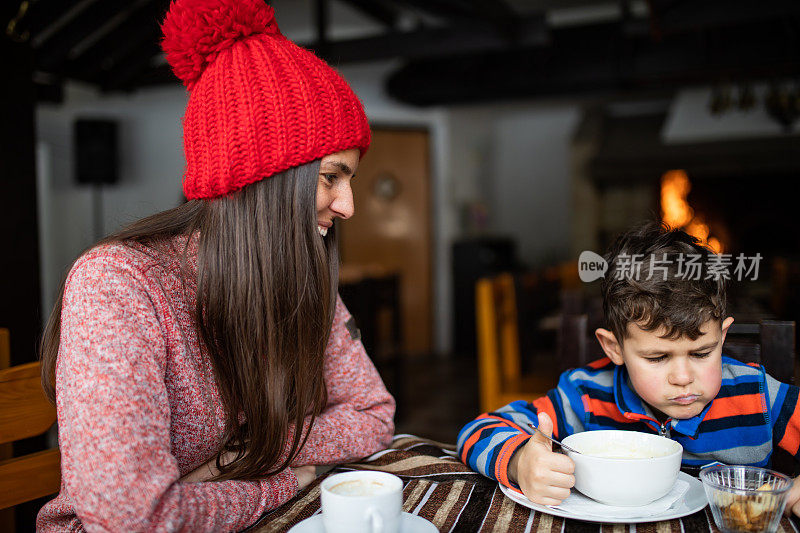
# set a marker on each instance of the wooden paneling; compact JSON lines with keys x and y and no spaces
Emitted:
{"x":391,"y":228}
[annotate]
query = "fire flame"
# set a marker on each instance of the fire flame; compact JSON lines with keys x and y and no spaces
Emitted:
{"x":677,"y":213}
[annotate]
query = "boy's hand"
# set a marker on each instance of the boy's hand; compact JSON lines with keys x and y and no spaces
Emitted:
{"x":544,"y":476}
{"x":793,"y":498}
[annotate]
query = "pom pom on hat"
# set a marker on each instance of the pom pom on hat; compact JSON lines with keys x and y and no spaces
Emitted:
{"x":195,"y":31}
{"x":258,"y":103}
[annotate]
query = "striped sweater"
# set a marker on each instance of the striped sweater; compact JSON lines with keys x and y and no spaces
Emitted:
{"x":138,"y":404}
{"x":752,"y":413}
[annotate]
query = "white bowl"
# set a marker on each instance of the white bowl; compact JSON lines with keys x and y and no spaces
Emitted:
{"x":625,"y":468}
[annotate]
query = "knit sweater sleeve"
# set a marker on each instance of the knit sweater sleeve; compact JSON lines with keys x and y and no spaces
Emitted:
{"x":785,"y":414}
{"x":359,"y":417}
{"x":487,"y":443}
{"x":114,"y":417}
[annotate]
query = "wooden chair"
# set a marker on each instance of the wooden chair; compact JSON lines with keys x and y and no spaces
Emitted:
{"x":7,"y":521}
{"x":577,"y":344}
{"x":26,"y":412}
{"x":770,"y":343}
{"x":499,"y":366}
{"x":5,"y":349}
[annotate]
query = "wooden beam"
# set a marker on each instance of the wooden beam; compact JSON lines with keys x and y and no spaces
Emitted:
{"x":452,"y":10}
{"x":141,"y":28}
{"x":376,"y":10}
{"x":130,"y":68}
{"x":55,"y":50}
{"x":433,"y":42}
{"x":427,"y":42}
{"x":687,"y":15}
{"x":42,"y":15}
{"x":598,"y":60}
{"x":498,"y":13}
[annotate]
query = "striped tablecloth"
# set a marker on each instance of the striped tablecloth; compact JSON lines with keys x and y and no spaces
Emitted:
{"x":441,"y":489}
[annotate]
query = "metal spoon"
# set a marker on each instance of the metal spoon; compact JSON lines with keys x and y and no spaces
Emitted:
{"x":564,"y":446}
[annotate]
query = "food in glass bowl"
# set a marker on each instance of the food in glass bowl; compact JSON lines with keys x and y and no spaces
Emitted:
{"x":745,"y":498}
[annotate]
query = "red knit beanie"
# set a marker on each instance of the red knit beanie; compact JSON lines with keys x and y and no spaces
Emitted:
{"x":259,"y":104}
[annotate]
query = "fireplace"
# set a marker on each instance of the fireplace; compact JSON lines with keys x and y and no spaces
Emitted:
{"x":738,"y":189}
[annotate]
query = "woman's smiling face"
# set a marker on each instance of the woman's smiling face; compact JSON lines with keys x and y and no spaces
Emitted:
{"x":334,"y":194}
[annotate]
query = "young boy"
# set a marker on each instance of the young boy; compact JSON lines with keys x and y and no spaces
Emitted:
{"x":664,"y":373}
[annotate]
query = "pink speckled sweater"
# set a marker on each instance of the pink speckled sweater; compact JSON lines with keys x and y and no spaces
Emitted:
{"x":138,"y":405}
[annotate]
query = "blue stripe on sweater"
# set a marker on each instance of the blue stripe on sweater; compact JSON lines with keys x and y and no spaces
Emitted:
{"x":787,"y":399}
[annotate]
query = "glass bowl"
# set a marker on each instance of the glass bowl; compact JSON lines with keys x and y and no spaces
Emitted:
{"x":745,"y":498}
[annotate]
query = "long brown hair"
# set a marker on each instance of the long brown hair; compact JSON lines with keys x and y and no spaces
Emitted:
{"x":266,"y":296}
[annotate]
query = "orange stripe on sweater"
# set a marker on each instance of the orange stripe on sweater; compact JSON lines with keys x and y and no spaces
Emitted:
{"x":544,"y":404}
{"x":601,"y":408}
{"x":791,"y":437}
{"x":746,"y":404}
{"x":501,"y":467}
{"x":600,"y":363}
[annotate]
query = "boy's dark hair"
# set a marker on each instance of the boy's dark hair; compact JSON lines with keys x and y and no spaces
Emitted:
{"x":681,"y":294}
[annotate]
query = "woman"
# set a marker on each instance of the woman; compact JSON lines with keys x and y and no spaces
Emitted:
{"x":200,"y":360}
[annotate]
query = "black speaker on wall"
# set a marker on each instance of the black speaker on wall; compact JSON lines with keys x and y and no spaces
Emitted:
{"x":96,"y":154}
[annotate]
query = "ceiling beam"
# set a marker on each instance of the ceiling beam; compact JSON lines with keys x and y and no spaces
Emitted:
{"x":139,"y":61}
{"x":589,"y":61}
{"x":138,"y":30}
{"x":427,"y":42}
{"x":43,"y":15}
{"x":470,"y":60}
{"x":495,"y":11}
{"x":451,"y":10}
{"x":432,"y":42}
{"x":676,"y":16}
{"x":377,"y":10}
{"x":54,"y":51}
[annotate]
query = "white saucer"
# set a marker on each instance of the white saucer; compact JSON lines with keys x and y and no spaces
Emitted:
{"x":692,"y":501}
{"x":409,"y":523}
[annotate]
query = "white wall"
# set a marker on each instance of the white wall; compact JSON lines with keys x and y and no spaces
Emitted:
{"x":151,"y":166}
{"x":531,"y":181}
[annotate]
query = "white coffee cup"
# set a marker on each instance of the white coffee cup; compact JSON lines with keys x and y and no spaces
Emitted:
{"x":362,"y":502}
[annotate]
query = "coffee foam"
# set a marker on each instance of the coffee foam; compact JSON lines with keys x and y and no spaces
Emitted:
{"x":359,"y":487}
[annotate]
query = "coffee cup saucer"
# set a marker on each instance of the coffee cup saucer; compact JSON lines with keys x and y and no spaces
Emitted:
{"x":409,"y":523}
